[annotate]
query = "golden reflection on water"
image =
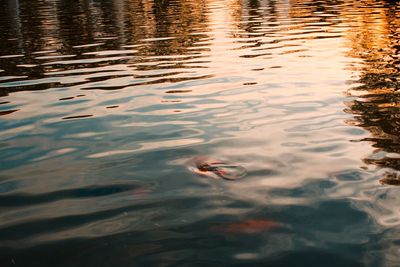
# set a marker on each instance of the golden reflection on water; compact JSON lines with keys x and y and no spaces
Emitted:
{"x":300,"y":58}
{"x":374,"y":39}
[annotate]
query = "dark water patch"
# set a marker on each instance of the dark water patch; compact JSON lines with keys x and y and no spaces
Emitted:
{"x":159,"y":75}
{"x":250,"y":83}
{"x":157,"y":81}
{"x":256,"y":55}
{"x":105,"y":77}
{"x":27,"y":229}
{"x":178,"y":91}
{"x":309,"y":257}
{"x":66,"y":98}
{"x":140,"y":254}
{"x":12,"y":200}
{"x":171,"y":101}
{"x":77,"y":117}
{"x":6,"y":112}
{"x":170,"y":245}
{"x":348,"y":175}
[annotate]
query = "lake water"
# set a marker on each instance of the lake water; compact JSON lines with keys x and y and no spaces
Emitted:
{"x":104,"y":102}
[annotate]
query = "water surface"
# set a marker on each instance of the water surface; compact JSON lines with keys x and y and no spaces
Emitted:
{"x":103,"y":103}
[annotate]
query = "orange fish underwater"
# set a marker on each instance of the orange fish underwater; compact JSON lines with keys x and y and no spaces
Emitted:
{"x":253,"y":226}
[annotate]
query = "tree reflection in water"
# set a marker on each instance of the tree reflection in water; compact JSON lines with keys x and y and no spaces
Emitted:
{"x":376,"y":106}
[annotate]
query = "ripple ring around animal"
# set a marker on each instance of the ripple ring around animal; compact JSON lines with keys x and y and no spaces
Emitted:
{"x":215,"y":168}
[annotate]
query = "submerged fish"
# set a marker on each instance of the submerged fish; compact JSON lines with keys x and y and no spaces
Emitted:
{"x":253,"y":226}
{"x":216,"y":169}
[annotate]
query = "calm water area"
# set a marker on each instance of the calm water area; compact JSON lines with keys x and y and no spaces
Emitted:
{"x":104,"y":102}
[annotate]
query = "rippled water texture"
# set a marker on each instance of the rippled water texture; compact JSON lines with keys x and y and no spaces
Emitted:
{"x":104,"y":102}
